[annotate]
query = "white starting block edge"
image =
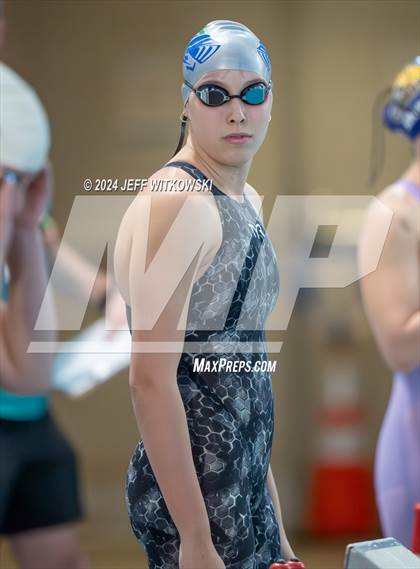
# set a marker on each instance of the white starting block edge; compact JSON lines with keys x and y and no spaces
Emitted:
{"x":387,"y":553}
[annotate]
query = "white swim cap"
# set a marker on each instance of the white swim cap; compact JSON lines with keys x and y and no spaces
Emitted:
{"x":24,"y":127}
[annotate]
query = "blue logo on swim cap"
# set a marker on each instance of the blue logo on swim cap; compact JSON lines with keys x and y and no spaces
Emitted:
{"x":262,"y":50}
{"x":199,"y":50}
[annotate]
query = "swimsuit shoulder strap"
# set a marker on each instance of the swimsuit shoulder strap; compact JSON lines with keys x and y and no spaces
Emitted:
{"x":195,"y":173}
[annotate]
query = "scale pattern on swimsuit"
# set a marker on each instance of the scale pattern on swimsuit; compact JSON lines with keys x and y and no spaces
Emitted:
{"x":230,"y":414}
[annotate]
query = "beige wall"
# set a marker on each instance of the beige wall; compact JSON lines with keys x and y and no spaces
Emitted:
{"x":109,"y":74}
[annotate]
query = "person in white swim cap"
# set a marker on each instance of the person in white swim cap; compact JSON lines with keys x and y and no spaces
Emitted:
{"x":38,"y":476}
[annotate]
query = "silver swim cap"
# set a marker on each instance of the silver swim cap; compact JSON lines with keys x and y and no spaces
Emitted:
{"x":223,"y":44}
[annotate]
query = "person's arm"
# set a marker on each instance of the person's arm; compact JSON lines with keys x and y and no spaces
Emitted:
{"x":287,"y":551}
{"x":157,"y":402}
{"x":391,"y":293}
{"x":7,"y":210}
{"x":21,"y":371}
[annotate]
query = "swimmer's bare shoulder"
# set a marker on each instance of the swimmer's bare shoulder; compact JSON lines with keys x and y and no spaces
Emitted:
{"x":405,"y":208}
{"x":255,"y":199}
{"x":394,"y":211}
{"x":147,"y":221}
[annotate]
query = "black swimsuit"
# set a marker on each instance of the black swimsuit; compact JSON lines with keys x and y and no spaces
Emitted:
{"x":230,"y":413}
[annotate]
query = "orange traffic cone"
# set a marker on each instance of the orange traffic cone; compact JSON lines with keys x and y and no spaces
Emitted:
{"x":415,"y":544}
{"x":341,"y":495}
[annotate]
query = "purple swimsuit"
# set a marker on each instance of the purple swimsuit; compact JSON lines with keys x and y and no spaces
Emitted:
{"x":397,"y":466}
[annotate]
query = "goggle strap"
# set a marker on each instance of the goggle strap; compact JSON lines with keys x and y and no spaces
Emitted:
{"x":184,"y":121}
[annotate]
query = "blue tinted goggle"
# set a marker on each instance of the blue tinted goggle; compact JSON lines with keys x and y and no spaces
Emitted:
{"x":214,"y":95}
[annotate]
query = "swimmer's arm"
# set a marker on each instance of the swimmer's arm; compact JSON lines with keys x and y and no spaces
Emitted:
{"x":285,"y":546}
{"x":7,"y":207}
{"x":20,"y":371}
{"x":391,"y":293}
{"x":157,"y":402}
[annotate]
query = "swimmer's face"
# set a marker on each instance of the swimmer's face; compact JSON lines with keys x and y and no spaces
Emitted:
{"x":210,"y":125}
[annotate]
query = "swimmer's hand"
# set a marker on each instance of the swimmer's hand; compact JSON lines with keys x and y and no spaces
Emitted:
{"x":36,"y":198}
{"x":195,"y":553}
{"x":286,"y":550}
{"x":7,"y":208}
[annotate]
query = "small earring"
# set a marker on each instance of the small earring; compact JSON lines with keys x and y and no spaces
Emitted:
{"x":269,"y":119}
{"x":183,"y":117}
